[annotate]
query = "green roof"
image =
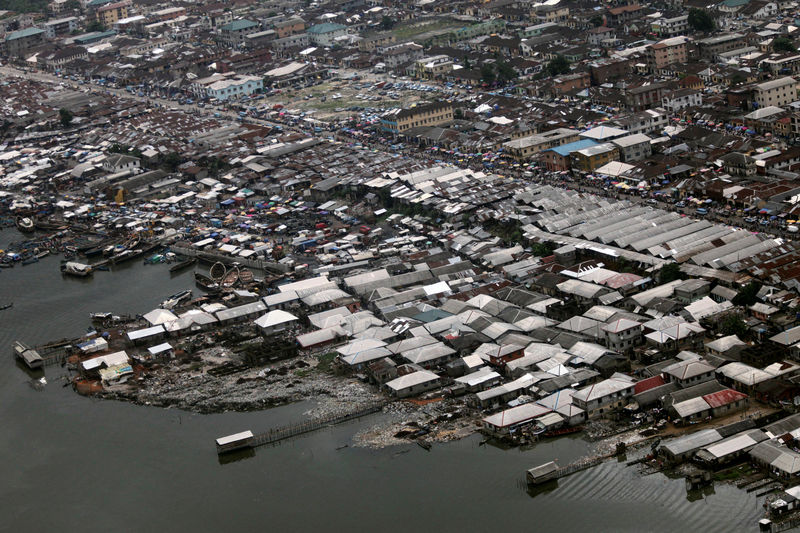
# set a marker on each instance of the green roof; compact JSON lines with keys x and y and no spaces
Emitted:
{"x":734,"y":3}
{"x":236,"y":25}
{"x":327,"y":27}
{"x":27,"y":32}
{"x":98,"y":3}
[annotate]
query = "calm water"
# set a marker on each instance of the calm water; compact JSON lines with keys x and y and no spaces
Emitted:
{"x":75,"y":463}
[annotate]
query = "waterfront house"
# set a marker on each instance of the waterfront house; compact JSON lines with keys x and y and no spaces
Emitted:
{"x":413,"y":383}
{"x":606,"y":396}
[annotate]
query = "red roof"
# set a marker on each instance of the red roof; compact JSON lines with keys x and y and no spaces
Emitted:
{"x":647,"y":384}
{"x":723,"y":397}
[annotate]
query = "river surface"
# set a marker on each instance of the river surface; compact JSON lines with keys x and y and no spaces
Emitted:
{"x":78,"y":464}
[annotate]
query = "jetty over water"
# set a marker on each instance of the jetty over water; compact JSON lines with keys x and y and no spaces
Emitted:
{"x":247,"y":439}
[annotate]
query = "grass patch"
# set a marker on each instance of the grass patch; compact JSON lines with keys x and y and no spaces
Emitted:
{"x":326,"y":361}
{"x":302,"y":373}
{"x":413,"y":30}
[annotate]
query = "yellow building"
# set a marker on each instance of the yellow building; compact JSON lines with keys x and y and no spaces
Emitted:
{"x":594,"y":157}
{"x":401,"y":120}
{"x":111,"y":13}
{"x":522,"y":149}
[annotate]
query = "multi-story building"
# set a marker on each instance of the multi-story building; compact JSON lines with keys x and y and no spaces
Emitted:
{"x":290,"y":26}
{"x":648,"y":121}
{"x":19,"y":42}
{"x":401,"y":54}
{"x":777,"y":92}
{"x":558,"y":157}
{"x":52,"y":28}
{"x":169,"y":13}
{"x":298,"y":40}
{"x":709,"y":48}
{"x":594,"y":157}
{"x":604,"y":397}
{"x":227,"y":86}
{"x":400,"y":120}
{"x":326,"y":34}
{"x":633,"y":147}
{"x":677,"y":100}
{"x":622,"y":335}
{"x":671,"y":27}
{"x":667,"y":52}
{"x":644,"y":96}
{"x":233,"y":33}
{"x":373,"y":42}
{"x":523,"y":148}
{"x":432,"y":66}
{"x":108,"y":14}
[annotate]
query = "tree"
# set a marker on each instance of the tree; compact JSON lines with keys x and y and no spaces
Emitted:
{"x":747,"y":294}
{"x":733,"y":325}
{"x":670,"y":272}
{"x":387,"y":23}
{"x":700,"y":20}
{"x":467,"y":64}
{"x":542,"y":249}
{"x":65,"y":115}
{"x":558,"y":65}
{"x":506,"y":72}
{"x":458,"y":114}
{"x":171,"y":161}
{"x":783,"y":44}
{"x":95,"y":25}
{"x":487,"y":74}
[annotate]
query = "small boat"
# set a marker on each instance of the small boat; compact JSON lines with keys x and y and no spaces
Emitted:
{"x":217,"y":271}
{"x":563,"y":431}
{"x":186,"y":263}
{"x":230,"y":278}
{"x":76,"y":269}
{"x":102,"y":267}
{"x":31,"y":260}
{"x":424,"y":444}
{"x":246,"y":277}
{"x":28,"y":355}
{"x":43,"y":253}
{"x":25,"y":224}
{"x":176,"y":299}
{"x":205,"y":283}
{"x":6,"y":306}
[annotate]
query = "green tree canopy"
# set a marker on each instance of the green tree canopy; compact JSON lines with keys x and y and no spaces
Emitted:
{"x":65,"y":116}
{"x":95,"y":25}
{"x":700,"y":20}
{"x":670,"y":272}
{"x":506,"y":72}
{"x":733,"y":325}
{"x":783,"y":44}
{"x":487,"y":73}
{"x":747,"y":294}
{"x":558,"y":65}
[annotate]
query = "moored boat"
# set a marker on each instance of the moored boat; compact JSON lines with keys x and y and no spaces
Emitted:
{"x":205,"y":283}
{"x":186,"y":263}
{"x":176,"y":299}
{"x":25,"y":224}
{"x":76,"y":269}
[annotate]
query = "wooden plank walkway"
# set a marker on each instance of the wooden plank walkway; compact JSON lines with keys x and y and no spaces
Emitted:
{"x":285,"y":432}
{"x":577,"y":466}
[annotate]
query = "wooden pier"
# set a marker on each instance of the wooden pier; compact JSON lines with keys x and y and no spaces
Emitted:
{"x":285,"y":432}
{"x":550,"y":471}
{"x":577,"y":466}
